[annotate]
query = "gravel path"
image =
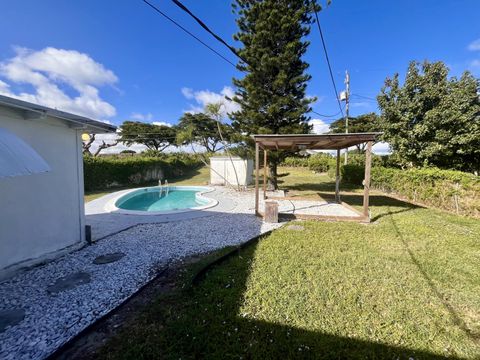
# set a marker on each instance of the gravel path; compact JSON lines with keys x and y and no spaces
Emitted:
{"x":104,"y":222}
{"x":55,"y":314}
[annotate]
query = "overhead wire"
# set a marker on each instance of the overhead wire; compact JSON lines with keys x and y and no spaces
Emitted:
{"x":203,"y":25}
{"x":326,"y":56}
{"x":233,"y":50}
{"x":323,"y":115}
{"x":188,"y":32}
{"x":364,"y":97}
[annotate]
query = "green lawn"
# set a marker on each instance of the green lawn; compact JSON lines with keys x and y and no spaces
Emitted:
{"x":303,"y":182}
{"x":405,"y":286}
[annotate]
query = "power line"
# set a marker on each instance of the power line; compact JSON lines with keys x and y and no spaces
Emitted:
{"x":326,"y":57}
{"x":364,"y":97}
{"x":203,"y":25}
{"x":323,"y":115}
{"x":188,"y":32}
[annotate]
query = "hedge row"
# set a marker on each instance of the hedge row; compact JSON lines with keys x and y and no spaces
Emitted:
{"x":106,"y":172}
{"x":323,"y":162}
{"x":450,"y":190}
{"x":319,"y":162}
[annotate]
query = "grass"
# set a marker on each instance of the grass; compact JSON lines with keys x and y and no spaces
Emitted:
{"x":405,"y":286}
{"x":303,"y":182}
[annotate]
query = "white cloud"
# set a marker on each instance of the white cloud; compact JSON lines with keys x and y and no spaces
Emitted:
{"x":381,"y":148}
{"x":148,"y":118}
{"x":50,"y":69}
{"x":319,"y":126}
{"x":474,"y":65}
{"x":4,"y":87}
{"x":363,"y":104}
{"x":204,"y":97}
{"x":474,"y":45}
{"x":141,"y":117}
{"x":162,"y":123}
{"x":188,"y":93}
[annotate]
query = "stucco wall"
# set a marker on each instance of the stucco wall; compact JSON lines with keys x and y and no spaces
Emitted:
{"x":222,"y":168}
{"x":43,"y":213}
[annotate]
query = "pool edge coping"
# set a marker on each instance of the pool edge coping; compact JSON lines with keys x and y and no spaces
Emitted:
{"x":111,"y":208}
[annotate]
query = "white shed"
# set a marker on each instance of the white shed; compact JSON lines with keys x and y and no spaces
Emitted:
{"x":224,"y":169}
{"x":41,"y":183}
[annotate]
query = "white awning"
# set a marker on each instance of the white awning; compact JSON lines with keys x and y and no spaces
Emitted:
{"x":18,"y":158}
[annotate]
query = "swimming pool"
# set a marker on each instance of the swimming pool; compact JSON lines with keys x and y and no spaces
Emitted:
{"x":162,"y":200}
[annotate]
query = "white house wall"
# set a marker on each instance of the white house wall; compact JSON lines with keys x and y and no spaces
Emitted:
{"x":43,"y":213}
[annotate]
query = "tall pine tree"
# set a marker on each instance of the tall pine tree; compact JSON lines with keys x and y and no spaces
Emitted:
{"x":272,"y":93}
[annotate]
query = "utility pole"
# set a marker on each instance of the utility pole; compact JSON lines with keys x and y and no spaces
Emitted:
{"x":347,"y":100}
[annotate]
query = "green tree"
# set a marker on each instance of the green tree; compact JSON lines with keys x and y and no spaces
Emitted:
{"x":154,"y":137}
{"x":272,"y":93}
{"x":363,"y":123}
{"x":202,"y":129}
{"x":431,"y":119}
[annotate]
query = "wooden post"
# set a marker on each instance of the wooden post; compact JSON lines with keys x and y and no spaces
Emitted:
{"x":366,"y":181}
{"x":337,"y":178}
{"x":257,"y":168}
{"x":271,"y":212}
{"x":264,"y":173}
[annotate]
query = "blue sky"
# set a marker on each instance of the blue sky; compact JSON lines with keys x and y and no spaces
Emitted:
{"x":118,"y":60}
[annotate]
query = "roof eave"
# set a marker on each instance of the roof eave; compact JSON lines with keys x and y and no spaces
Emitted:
{"x":34,"y":111}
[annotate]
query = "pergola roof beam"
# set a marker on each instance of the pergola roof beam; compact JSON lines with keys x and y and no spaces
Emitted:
{"x":313,"y":141}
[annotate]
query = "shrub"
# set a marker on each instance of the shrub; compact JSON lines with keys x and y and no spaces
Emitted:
{"x":450,"y":190}
{"x":295,"y":161}
{"x":359,"y":159}
{"x":446,"y":189}
{"x":320,"y":162}
{"x":352,"y":174}
{"x":105,"y":172}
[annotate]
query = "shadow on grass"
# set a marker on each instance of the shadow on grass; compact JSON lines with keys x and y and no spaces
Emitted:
{"x":309,"y":187}
{"x":205,"y":321}
{"x":377,"y":202}
{"x":457,"y":320}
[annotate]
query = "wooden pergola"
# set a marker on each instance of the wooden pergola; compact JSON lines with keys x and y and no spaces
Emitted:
{"x":298,"y":142}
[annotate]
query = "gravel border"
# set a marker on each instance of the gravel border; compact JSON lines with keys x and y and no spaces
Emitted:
{"x":51,"y":319}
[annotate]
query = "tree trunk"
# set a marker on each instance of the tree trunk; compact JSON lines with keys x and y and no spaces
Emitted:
{"x":104,"y":146}
{"x":272,"y":176}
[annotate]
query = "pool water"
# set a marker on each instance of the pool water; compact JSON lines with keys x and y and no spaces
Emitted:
{"x":157,"y":200}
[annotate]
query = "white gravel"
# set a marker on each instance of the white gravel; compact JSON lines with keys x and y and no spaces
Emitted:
{"x":51,"y":320}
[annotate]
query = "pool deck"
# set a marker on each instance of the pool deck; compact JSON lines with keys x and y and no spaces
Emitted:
{"x":105,"y":222}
